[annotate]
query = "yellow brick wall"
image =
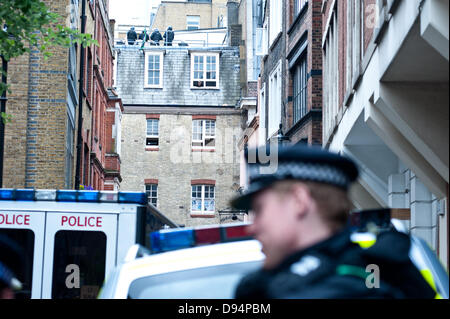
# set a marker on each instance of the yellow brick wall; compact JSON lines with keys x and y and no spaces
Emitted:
{"x":174,"y":14}
{"x":35,"y":140}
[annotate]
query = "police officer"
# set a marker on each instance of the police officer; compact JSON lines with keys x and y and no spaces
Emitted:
{"x":168,"y":36}
{"x":300,"y":217}
{"x":131,"y":36}
{"x":156,"y":37}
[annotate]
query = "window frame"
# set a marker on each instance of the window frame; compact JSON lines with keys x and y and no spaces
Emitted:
{"x":161,"y":70}
{"x":275,"y":105}
{"x":147,"y":136}
{"x":204,"y":136}
{"x":149,"y":193}
{"x":275,"y":20}
{"x":202,"y":198}
{"x":298,"y":7}
{"x":205,"y":56}
{"x":300,"y":88}
{"x":190,"y":26}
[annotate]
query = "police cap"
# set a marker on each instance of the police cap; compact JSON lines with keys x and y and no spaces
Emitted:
{"x":294,"y":162}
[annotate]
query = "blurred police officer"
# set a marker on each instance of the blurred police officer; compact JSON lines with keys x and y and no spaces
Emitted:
{"x":300,"y":217}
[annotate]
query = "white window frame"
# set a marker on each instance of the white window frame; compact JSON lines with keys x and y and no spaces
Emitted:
{"x":298,"y":6}
{"x":262,"y":115}
{"x":161,"y":69}
{"x":204,"y":135}
{"x":274,"y":110}
{"x":205,"y":55}
{"x":203,"y":211}
{"x":261,"y":36}
{"x":149,"y":193}
{"x":275,"y":20}
{"x":154,"y":136}
{"x":192,"y":21}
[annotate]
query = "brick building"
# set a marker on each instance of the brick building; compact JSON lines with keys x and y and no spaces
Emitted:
{"x":179,"y":129}
{"x":303,"y":92}
{"x":385,"y":104}
{"x":40,"y":143}
{"x":104,"y":159}
{"x":290,"y":88}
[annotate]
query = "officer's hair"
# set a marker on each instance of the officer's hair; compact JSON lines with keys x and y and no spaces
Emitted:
{"x":332,"y":202}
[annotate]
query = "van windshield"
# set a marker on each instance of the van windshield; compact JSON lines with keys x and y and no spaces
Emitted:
{"x":217,"y":282}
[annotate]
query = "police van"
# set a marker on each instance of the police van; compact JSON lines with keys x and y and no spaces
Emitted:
{"x":72,"y":239}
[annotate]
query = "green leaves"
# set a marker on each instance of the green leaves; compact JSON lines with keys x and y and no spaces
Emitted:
{"x":6,"y":118}
{"x":30,"y":24}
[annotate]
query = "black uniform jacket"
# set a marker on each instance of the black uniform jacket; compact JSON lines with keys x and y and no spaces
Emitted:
{"x":337,"y":268}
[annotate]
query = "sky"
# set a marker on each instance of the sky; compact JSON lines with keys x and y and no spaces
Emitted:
{"x":131,"y":11}
{"x":135,"y":12}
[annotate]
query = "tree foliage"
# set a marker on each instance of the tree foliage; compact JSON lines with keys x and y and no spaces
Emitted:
{"x":29,"y":24}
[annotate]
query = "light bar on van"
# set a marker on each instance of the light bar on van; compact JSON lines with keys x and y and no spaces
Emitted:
{"x":65,"y":195}
{"x":167,"y":240}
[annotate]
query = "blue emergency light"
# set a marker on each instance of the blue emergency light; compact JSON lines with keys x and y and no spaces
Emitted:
{"x":167,"y":240}
{"x":73,"y":196}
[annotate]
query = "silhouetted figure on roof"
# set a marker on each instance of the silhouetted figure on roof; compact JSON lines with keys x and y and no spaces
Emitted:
{"x":131,"y":36}
{"x":168,"y":36}
{"x":155,"y":37}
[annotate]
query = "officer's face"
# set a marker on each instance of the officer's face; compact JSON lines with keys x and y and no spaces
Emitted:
{"x":275,"y":225}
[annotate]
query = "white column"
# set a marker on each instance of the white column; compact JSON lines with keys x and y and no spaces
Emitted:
{"x":422,"y":224}
{"x":398,"y":194}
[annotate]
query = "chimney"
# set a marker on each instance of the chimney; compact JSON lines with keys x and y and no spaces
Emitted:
{"x":112,"y":24}
{"x":232,"y":12}
{"x":234,"y":28}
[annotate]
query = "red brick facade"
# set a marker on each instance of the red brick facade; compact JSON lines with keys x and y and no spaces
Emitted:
{"x":305,"y":26}
{"x":99,"y":145}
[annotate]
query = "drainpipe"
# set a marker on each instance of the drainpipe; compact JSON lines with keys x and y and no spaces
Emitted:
{"x":80,"y":99}
{"x":2,"y":126}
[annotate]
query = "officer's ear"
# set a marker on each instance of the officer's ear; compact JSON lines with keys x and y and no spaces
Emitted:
{"x":302,"y":199}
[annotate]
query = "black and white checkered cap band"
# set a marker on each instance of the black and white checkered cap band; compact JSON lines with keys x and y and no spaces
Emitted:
{"x":304,"y":171}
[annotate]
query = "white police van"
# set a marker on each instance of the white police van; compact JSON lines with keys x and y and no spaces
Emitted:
{"x":72,"y":239}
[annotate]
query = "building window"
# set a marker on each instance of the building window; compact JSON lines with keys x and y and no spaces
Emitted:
{"x":298,"y":6}
{"x":274,"y":112}
{"x":203,"y":199}
{"x":275,"y":19}
{"x":204,"y":134}
{"x":69,"y":153}
{"x":262,"y":42}
{"x":152,"y":193}
{"x":152,"y":136}
{"x":153,"y":70}
{"x":205,"y":71}
{"x":192,"y":22}
{"x":300,"y":89}
{"x":262,"y":115}
{"x":331,"y":75}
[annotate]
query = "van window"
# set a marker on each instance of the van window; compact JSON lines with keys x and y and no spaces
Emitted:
{"x":22,"y":241}
{"x":78,"y":264}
